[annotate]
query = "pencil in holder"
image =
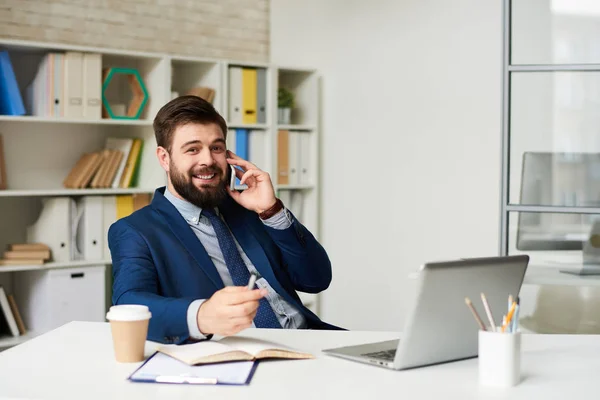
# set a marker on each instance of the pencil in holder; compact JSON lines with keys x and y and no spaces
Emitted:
{"x":499,"y":358}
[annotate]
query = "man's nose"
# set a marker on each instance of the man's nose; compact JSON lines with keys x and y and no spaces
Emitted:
{"x":206,"y":157}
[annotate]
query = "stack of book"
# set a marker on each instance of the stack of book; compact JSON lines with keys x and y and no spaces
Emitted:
{"x":26,"y":254}
{"x":113,"y":167}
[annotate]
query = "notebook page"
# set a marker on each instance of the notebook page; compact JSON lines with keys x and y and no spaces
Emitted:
{"x":166,"y":368}
{"x":252,"y":345}
{"x":190,"y":352}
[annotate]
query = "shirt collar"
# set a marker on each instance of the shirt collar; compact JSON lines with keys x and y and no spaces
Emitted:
{"x":190,"y":212}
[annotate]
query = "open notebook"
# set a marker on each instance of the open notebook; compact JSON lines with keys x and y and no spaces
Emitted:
{"x":232,"y":348}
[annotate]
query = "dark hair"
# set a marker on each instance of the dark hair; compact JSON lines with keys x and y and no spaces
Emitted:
{"x":181,"y":111}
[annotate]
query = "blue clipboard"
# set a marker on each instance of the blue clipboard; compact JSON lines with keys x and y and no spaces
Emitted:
{"x":161,"y":368}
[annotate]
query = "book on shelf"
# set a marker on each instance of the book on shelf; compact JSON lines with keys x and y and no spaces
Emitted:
{"x":205,"y":93}
{"x":28,"y":246}
{"x":27,"y":255}
{"x":115,"y":166}
{"x":16,"y":314}
{"x":232,"y":348}
{"x":21,"y":254}
{"x":8,"y":323}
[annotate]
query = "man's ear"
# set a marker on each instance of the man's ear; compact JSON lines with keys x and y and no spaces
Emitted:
{"x":163,"y":157}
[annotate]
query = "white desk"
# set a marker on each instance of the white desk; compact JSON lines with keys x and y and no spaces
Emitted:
{"x":76,"y":362}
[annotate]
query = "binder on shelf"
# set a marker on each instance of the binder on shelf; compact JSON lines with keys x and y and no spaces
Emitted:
{"x":294,"y":158}
{"x":92,"y":86}
{"x":73,"y":84}
{"x":241,"y":146}
{"x":296,"y":204}
{"x":249,"y":95}
{"x":230,"y":140}
{"x":235,"y":95}
{"x":7,"y":319}
{"x":257,"y":149}
{"x":261,"y":95}
{"x":57,"y":79}
{"x":304,"y":156}
{"x":11,"y":102}
{"x":3,"y":182}
{"x":283,"y":157}
{"x":109,"y":216}
{"x":90,"y":237}
{"x":53,"y":227}
{"x":117,"y":207}
{"x":124,"y":206}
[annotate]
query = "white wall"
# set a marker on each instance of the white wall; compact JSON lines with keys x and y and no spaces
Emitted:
{"x":411,"y":139}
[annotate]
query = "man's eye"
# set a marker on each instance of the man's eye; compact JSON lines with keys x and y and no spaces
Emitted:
{"x":192,"y":150}
{"x":218,"y":149}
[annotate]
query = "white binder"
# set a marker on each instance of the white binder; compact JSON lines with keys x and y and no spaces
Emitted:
{"x":109,"y":216}
{"x":89,"y":232}
{"x":73,"y":84}
{"x":304,"y":156}
{"x":230,"y":141}
{"x":257,"y":150}
{"x":235,"y":95}
{"x":92,"y":86}
{"x":53,"y":227}
{"x":294,"y":158}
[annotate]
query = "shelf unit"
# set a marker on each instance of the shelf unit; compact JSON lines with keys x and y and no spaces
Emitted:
{"x":40,"y":151}
{"x":549,"y":107}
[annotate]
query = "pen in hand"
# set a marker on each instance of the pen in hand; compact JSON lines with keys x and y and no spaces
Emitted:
{"x":252,"y":280}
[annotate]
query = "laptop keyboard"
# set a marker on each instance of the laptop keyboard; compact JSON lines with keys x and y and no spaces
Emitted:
{"x":387,"y":355}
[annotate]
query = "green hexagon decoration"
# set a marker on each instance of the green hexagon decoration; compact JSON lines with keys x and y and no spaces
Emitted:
{"x":138,"y":89}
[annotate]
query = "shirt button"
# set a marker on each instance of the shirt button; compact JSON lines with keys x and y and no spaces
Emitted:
{"x":194,"y":219}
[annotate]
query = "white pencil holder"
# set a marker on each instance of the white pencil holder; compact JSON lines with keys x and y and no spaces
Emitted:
{"x":499,"y":358}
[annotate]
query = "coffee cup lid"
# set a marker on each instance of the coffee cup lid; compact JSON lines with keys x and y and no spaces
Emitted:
{"x":128,"y":312}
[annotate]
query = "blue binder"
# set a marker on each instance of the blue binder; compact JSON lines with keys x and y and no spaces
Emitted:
{"x":11,"y":102}
{"x":241,"y":146}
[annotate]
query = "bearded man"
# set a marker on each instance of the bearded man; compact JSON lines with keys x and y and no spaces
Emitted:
{"x":189,"y":255}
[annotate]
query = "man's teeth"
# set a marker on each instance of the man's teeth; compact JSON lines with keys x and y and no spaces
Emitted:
{"x":206,"y":176}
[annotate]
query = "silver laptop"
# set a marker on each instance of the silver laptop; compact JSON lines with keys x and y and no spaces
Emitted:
{"x":440,"y":327}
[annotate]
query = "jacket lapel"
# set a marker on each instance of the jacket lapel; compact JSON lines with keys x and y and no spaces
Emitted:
{"x":186,"y":236}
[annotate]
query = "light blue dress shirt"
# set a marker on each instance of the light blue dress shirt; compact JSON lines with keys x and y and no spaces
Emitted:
{"x":289,"y":317}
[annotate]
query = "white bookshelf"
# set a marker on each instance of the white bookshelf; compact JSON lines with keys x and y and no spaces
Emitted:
{"x":72,"y":192}
{"x":39,"y":151}
{"x":52,"y":265}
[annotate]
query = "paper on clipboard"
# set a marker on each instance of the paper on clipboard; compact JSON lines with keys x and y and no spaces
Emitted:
{"x":161,"y":368}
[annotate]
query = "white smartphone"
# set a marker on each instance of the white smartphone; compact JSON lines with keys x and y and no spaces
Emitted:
{"x":232,"y":179}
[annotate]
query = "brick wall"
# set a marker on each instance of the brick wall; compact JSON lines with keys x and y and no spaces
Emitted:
{"x":230,"y":29}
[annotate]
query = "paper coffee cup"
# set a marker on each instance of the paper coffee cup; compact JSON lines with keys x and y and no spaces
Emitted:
{"x":129,"y":326}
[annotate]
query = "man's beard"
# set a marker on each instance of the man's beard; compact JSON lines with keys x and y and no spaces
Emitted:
{"x":209,"y":196}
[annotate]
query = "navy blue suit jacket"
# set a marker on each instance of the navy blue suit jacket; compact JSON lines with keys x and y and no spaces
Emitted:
{"x":159,"y":262}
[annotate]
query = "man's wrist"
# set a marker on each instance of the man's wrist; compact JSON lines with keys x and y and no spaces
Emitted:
{"x":274,"y":209}
{"x":202,"y":328}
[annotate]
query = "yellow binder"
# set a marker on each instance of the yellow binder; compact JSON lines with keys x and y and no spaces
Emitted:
{"x":249,"y":96}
